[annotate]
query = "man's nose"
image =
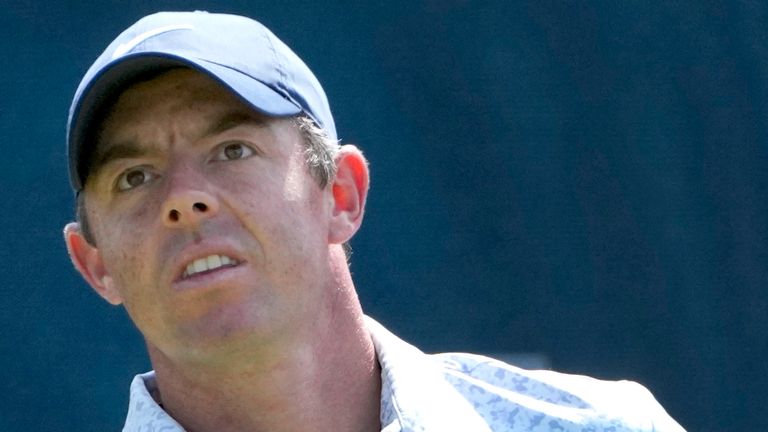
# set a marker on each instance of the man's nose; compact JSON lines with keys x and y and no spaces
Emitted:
{"x":187,"y":207}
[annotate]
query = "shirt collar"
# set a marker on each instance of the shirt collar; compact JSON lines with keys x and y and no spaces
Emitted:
{"x":415,"y":393}
{"x":144,"y":413}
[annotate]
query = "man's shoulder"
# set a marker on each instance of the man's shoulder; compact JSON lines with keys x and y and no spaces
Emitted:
{"x":503,"y":393}
{"x":458,"y":391}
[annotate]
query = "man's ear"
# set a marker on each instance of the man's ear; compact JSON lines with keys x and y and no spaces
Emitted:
{"x":350,"y":189}
{"x":87,"y":260}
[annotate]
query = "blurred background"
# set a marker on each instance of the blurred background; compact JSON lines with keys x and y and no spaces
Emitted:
{"x":580,"y":181}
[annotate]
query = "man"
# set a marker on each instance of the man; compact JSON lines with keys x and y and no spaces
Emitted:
{"x":214,"y":203}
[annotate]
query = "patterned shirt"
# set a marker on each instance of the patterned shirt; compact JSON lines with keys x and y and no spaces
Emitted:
{"x":469,"y":393}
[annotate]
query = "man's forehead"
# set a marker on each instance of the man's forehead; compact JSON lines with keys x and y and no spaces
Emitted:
{"x":172,"y":92}
{"x":179,"y":85}
{"x":213,"y":123}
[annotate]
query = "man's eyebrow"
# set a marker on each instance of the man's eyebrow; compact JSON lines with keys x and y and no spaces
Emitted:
{"x":130,"y":149}
{"x":234,"y":119}
{"x":121,"y":150}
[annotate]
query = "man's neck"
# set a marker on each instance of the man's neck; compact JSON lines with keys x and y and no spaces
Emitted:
{"x":331,"y":381}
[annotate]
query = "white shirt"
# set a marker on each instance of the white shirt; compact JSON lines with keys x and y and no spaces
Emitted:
{"x":469,"y":393}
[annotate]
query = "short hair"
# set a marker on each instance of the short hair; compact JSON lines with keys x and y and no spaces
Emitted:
{"x":319,"y":156}
{"x":321,"y":151}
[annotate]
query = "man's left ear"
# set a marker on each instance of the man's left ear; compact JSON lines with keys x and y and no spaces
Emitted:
{"x":350,"y":189}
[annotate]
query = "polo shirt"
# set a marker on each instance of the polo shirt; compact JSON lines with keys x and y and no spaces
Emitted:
{"x":468,"y":393}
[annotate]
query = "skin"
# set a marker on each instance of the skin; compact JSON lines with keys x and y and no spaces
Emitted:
{"x":276,"y":342}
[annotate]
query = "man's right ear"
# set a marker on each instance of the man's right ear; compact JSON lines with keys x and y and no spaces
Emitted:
{"x":88,"y":261}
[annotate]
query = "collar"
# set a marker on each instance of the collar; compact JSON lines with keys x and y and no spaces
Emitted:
{"x":415,"y":393}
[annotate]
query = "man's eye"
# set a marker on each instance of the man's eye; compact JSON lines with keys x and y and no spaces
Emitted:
{"x":233,"y":151}
{"x":132,"y":178}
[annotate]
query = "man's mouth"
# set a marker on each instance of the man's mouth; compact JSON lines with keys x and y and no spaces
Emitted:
{"x":211,"y":262}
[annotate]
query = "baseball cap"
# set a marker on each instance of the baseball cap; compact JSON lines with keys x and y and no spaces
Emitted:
{"x":238,"y":52}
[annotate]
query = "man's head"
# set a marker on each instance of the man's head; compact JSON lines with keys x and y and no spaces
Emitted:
{"x":213,"y":211}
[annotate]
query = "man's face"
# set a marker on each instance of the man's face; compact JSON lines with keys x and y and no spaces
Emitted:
{"x":209,"y":227}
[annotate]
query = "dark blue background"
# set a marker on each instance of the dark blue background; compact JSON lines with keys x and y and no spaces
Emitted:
{"x":585,"y":180}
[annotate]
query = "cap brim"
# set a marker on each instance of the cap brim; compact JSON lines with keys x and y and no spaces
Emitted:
{"x":115,"y":77}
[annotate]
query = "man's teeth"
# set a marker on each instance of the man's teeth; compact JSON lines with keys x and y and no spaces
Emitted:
{"x":208,"y":263}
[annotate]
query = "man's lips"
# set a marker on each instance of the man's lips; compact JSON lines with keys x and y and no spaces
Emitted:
{"x":207,"y":264}
{"x":208,"y":257}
